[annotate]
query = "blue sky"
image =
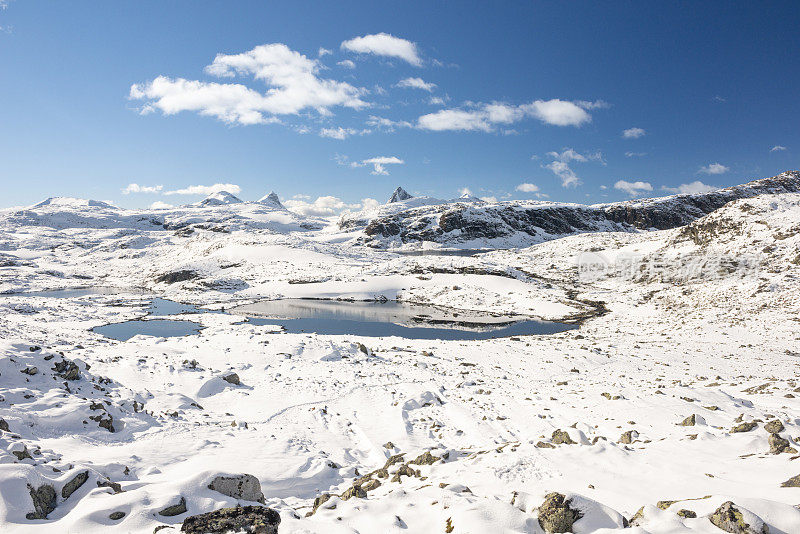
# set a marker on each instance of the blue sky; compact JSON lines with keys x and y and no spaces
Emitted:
{"x":350,"y":99}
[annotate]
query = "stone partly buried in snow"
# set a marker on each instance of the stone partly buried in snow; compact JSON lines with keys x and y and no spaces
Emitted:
{"x":730,"y":519}
{"x":774,"y":427}
{"x":793,"y":482}
{"x":174,"y":509}
{"x":232,"y":378}
{"x":44,"y":501}
{"x":556,"y":515}
{"x":74,"y":483}
{"x":745,"y":427}
{"x":560,"y":437}
{"x":778,"y":445}
{"x":245,"y":487}
{"x":247,"y":519}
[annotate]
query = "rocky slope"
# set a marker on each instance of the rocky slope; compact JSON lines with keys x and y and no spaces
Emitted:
{"x":505,"y":224}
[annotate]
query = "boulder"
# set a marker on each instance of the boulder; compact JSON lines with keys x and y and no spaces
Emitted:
{"x":44,"y":501}
{"x":244,"y":519}
{"x":245,"y":487}
{"x":774,"y":427}
{"x":74,"y":483}
{"x":731,"y":519}
{"x":556,"y":515}
{"x":561,"y":437}
{"x":174,"y":509}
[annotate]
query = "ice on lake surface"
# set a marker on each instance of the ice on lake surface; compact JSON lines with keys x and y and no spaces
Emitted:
{"x":153,"y":327}
{"x":378,"y":319}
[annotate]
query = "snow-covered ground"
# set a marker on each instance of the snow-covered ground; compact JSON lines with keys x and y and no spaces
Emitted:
{"x":668,"y":404}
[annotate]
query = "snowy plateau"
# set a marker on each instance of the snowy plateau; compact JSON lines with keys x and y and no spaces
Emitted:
{"x":670,"y":405}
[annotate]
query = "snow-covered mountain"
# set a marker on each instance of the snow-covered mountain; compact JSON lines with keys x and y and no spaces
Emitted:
{"x":522,"y":223}
{"x":271,"y":200}
{"x":399,"y":194}
{"x":220,"y":198}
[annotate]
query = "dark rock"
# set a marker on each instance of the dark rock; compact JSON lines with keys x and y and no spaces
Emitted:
{"x":114,"y":486}
{"x":793,"y":482}
{"x":44,"y":501}
{"x":245,"y":487}
{"x":687,"y":514}
{"x":232,"y":378}
{"x":728,"y":518}
{"x":394,"y":459}
{"x":4,"y":425}
{"x":561,"y":437}
{"x":556,"y":515}
{"x":23,"y":454}
{"x":74,"y":483}
{"x":116,"y":516}
{"x":244,"y":519}
{"x":177,"y":276}
{"x":774,"y":427}
{"x":68,"y":370}
{"x":778,"y":444}
{"x":355,"y":491}
{"x":745,"y":427}
{"x":689,"y":421}
{"x":174,"y":509}
{"x":425,"y":458}
{"x":319,"y":501}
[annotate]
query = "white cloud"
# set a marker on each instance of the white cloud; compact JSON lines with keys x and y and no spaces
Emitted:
{"x":136,"y":188}
{"x":387,"y":124}
{"x":323,"y":52}
{"x":560,"y":166}
{"x":489,"y":199}
{"x":416,"y":83}
{"x":563,"y":171}
{"x":291,"y":78}
{"x":436,"y":101}
{"x":777,"y":148}
{"x":714,"y":168}
{"x":633,"y":133}
{"x":346,"y":63}
{"x":465,"y":191}
{"x":691,"y":189}
{"x":633,"y":188}
{"x":527,"y":188}
{"x":635,"y":154}
{"x":206,"y":189}
{"x":597,"y":104}
{"x":557,"y":112}
{"x":379,"y":164}
{"x":158,"y":205}
{"x":484,"y":117}
{"x":326,"y":206}
{"x":339,"y":133}
{"x":384,"y":44}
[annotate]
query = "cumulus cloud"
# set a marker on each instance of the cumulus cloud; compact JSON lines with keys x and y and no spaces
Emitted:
{"x":690,"y":189}
{"x":633,"y":188}
{"x":346,"y":63}
{"x":136,"y":188}
{"x":386,"y":45}
{"x":484,"y":117}
{"x":714,"y":168}
{"x":561,"y":168}
{"x":323,"y":52}
{"x":206,"y":189}
{"x":527,"y":188}
{"x":633,"y":133}
{"x":379,"y":164}
{"x":416,"y":83}
{"x":326,"y":206}
{"x":158,"y":205}
{"x":291,"y":78}
{"x":777,"y":148}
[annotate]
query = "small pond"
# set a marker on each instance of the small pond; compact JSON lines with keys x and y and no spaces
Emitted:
{"x":378,"y":319}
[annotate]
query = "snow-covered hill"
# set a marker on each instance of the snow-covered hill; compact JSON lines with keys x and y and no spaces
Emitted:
{"x":673,"y":407}
{"x":471,"y":223}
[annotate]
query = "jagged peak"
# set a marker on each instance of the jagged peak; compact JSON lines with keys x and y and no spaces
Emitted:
{"x":271,"y":198}
{"x":399,"y":195}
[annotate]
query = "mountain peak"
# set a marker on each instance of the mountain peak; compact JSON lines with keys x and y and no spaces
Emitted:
{"x":399,"y":195}
{"x":220,"y":198}
{"x":272,"y":198}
